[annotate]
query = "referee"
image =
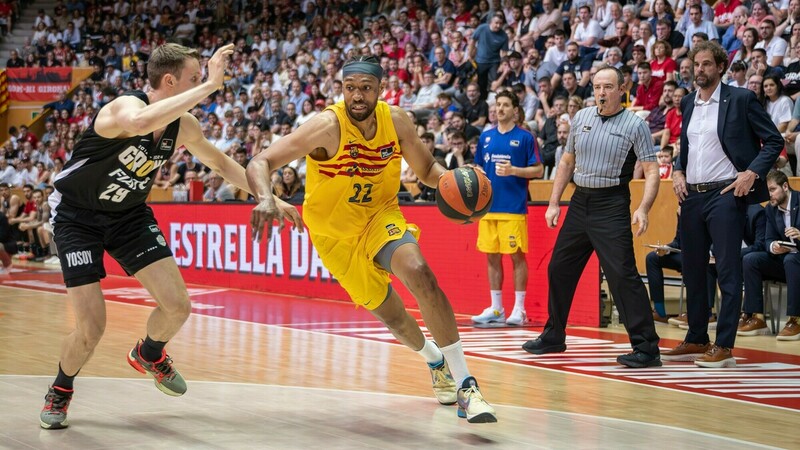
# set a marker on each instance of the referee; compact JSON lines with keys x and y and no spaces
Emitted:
{"x":603,"y":146}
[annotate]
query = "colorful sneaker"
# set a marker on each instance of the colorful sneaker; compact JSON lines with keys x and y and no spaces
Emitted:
{"x":168,"y":380}
{"x":444,"y":386}
{"x":471,"y":404}
{"x":54,"y":413}
{"x":490,"y":315}
{"x":518,"y":317}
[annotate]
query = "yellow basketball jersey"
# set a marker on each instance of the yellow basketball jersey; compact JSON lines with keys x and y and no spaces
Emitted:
{"x":360,"y":181}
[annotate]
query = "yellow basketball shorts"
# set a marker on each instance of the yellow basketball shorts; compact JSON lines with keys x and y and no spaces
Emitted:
{"x":503,"y":233}
{"x":351,"y":259}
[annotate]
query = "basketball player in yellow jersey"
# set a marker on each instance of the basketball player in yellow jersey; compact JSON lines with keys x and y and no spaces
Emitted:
{"x":352,"y":178}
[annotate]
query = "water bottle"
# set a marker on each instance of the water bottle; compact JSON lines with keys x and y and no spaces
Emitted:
{"x":614,"y":316}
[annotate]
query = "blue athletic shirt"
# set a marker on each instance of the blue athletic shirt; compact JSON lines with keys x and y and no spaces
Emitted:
{"x":517,"y":145}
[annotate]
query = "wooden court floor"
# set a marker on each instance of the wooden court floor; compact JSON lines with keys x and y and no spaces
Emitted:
{"x":321,"y":373}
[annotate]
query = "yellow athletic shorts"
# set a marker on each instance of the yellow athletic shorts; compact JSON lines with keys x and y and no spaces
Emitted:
{"x":503,"y":233}
{"x":351,"y":260}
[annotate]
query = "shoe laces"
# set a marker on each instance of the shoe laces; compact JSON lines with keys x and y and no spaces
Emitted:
{"x":57,"y":401}
{"x":716,"y":349}
{"x":164,"y":368}
{"x":440,"y":378}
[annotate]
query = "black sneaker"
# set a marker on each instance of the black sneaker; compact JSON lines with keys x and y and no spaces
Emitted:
{"x":638,"y":359}
{"x":54,"y":413}
{"x":539,"y":347}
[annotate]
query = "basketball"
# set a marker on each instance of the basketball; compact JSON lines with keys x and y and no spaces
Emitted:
{"x":464,"y":195}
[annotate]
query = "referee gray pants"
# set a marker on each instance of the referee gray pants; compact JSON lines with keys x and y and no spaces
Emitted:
{"x":599,"y":220}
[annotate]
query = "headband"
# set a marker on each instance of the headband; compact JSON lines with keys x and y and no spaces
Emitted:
{"x":363,"y":67}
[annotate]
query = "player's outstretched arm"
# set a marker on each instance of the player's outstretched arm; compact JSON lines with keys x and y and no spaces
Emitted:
{"x":414,"y":151}
{"x":191,"y":135}
{"x":319,"y":133}
{"x":128,"y":116}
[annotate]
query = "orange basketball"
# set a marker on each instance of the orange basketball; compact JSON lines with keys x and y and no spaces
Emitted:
{"x":464,"y":195}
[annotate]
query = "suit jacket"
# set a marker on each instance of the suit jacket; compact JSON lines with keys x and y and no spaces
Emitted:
{"x":776,"y":228}
{"x":676,"y":242}
{"x":755,"y":229}
{"x":742,"y":127}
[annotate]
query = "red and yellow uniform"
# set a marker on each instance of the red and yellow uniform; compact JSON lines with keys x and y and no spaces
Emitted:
{"x":351,"y":208}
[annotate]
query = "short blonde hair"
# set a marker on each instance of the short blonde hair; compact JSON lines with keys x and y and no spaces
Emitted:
{"x":168,"y":58}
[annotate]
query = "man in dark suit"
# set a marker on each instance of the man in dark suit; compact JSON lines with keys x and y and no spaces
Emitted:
{"x":721,"y":169}
{"x":779,"y":262}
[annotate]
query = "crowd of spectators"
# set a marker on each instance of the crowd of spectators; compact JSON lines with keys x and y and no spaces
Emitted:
{"x":444,"y":61}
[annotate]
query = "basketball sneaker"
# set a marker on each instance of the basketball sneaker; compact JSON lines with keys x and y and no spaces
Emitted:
{"x":490,"y":315}
{"x":518,"y":317}
{"x":444,"y":386}
{"x":168,"y":380}
{"x":54,"y":413}
{"x":471,"y":404}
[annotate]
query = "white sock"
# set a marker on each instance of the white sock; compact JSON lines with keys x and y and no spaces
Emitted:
{"x":431,"y":353}
{"x":454,"y":355}
{"x":519,"y":300}
{"x":497,"y":300}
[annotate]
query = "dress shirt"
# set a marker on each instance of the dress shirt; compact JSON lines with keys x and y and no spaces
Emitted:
{"x":707,"y":162}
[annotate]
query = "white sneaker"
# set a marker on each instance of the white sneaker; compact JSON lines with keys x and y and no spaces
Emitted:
{"x":490,"y":315}
{"x":444,"y":387}
{"x":52,"y":261}
{"x":518,"y":317}
{"x":472,"y":406}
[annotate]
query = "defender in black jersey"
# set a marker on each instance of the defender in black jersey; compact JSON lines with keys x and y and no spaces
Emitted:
{"x":99,"y":206}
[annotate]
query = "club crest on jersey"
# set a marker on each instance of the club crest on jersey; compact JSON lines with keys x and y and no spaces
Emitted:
{"x":486,"y":157}
{"x":353,"y":151}
{"x":514,"y":143}
{"x":586,"y":128}
{"x":166,"y":144}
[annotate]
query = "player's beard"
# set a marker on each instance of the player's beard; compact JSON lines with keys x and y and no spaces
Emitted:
{"x":362,"y":115}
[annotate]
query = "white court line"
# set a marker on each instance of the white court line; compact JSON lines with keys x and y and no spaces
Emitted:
{"x":387,"y":394}
{"x":555,"y":370}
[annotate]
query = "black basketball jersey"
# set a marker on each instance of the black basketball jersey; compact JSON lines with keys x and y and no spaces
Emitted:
{"x":113,"y":174}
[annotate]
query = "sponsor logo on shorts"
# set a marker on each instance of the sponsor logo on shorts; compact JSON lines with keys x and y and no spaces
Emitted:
{"x":160,"y":239}
{"x":154,"y":229}
{"x":392,"y":229}
{"x":79,"y":258}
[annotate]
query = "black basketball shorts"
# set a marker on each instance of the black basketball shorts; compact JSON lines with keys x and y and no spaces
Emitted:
{"x":131,"y":237}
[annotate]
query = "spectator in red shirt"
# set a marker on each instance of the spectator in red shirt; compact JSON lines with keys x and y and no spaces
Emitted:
{"x":662,"y":64}
{"x":393,"y":50}
{"x":672,"y":125}
{"x":649,"y":91}
{"x":26,"y":136}
{"x":6,"y":16}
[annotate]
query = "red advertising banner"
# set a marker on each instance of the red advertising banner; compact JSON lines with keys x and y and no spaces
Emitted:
{"x":38,"y":84}
{"x":212,"y":246}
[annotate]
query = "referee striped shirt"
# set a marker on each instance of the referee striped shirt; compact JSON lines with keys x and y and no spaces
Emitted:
{"x":606,"y":147}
